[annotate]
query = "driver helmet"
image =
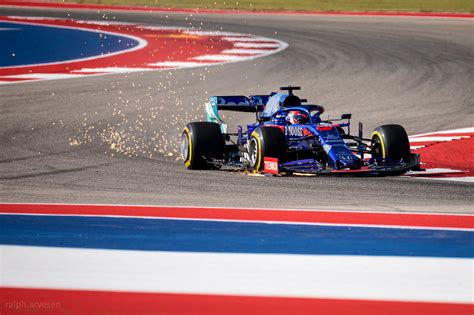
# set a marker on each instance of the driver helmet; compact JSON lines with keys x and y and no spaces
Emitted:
{"x":297,"y":117}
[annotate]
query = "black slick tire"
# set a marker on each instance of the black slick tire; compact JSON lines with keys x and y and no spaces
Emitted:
{"x":200,"y":143}
{"x":391,"y":143}
{"x":266,"y":142}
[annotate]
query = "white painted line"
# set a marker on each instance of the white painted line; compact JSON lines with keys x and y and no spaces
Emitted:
{"x":256,"y":45}
{"x":436,"y":139}
{"x":104,"y":23}
{"x":221,"y":58}
{"x":180,"y":64}
{"x":466,"y":179}
{"x":344,"y":277}
{"x":462,"y":130}
{"x":162,"y":28}
{"x":416,"y":147}
{"x":249,"y":39}
{"x":112,"y":70}
{"x":215,"y":33}
{"x":246,"y":51}
{"x":43,"y":76}
{"x":434,"y":171}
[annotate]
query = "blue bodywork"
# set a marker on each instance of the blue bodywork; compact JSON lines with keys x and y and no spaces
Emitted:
{"x":327,"y":137}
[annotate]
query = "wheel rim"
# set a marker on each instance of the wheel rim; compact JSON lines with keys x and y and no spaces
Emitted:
{"x":376,"y":147}
{"x":253,"y":152}
{"x":185,"y":147}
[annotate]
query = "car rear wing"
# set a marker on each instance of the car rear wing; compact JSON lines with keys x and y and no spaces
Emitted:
{"x":252,"y":104}
{"x":239,"y":103}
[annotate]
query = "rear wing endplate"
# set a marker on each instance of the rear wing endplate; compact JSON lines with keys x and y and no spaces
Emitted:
{"x":239,"y":103}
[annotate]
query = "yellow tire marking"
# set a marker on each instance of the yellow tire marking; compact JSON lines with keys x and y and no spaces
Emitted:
{"x":190,"y":149}
{"x":259,"y":152}
{"x":376,"y":133}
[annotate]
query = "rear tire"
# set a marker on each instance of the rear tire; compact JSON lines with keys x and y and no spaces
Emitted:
{"x":390,"y":142}
{"x":266,"y":142}
{"x":201,"y":142}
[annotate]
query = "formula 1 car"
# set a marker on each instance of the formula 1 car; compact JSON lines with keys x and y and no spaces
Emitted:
{"x":291,"y":137}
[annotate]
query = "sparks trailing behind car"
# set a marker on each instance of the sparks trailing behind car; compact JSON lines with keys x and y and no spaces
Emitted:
{"x":289,"y":137}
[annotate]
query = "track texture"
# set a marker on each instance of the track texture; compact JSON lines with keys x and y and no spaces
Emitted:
{"x":97,"y":139}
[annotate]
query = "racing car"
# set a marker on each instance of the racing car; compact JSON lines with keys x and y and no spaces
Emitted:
{"x":289,"y":136}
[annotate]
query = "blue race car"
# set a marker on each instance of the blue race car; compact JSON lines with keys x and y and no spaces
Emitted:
{"x":289,"y":137}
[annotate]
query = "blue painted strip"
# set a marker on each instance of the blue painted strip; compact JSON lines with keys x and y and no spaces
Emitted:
{"x":23,"y":44}
{"x":230,"y":237}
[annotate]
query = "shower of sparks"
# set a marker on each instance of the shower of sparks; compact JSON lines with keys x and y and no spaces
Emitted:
{"x":138,"y":128}
{"x":148,"y":125}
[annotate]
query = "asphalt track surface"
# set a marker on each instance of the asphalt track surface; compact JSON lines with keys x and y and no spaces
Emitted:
{"x":414,"y":71}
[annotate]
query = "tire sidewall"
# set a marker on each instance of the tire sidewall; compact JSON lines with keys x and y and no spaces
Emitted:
{"x":189,"y":158}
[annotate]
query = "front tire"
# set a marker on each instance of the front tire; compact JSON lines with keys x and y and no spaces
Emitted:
{"x":390,"y":142}
{"x":266,"y":142}
{"x":201,"y":142}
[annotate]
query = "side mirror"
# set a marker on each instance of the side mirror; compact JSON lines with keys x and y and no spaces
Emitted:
{"x":346,"y":116}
